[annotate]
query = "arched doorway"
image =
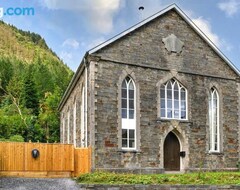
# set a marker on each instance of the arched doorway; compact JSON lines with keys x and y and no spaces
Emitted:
{"x":171,"y":153}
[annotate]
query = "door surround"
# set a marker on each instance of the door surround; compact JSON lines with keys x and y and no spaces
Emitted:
{"x":184,"y":145}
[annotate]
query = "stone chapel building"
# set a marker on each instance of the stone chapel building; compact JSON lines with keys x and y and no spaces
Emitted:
{"x":158,"y":97}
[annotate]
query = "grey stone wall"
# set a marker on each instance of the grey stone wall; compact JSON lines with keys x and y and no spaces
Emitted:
{"x":145,"y":46}
{"x":142,"y":54}
{"x":153,"y":130}
{"x":69,"y":107}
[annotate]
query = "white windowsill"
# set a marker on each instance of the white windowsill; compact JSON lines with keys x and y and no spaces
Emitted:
{"x":215,"y":152}
{"x":123,"y":150}
{"x":172,"y":119}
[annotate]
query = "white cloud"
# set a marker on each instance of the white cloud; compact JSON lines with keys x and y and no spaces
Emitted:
{"x":206,"y":28}
{"x":227,"y":45}
{"x":189,"y":13}
{"x":66,"y":56}
{"x":71,"y":43}
{"x":99,"y":13}
{"x":230,"y":7}
{"x":96,"y":42}
{"x":81,"y":5}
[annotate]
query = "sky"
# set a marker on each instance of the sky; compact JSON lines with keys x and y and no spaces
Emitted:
{"x":72,"y":27}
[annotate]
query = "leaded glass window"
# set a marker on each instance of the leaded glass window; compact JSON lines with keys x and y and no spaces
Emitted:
{"x":128,"y":109}
{"x":173,"y":100}
{"x":214,"y":121}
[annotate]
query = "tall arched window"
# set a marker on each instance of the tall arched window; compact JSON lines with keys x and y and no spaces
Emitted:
{"x":83,"y":124}
{"x":173,"y":100}
{"x":68,"y":127}
{"x":214,"y":121}
{"x":74,"y":121}
{"x":63,"y":128}
{"x":128,"y":108}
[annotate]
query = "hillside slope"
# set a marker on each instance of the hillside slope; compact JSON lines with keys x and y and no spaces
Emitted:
{"x":32,"y":81}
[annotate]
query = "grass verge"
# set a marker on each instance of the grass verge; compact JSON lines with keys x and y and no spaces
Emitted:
{"x":203,"y":178}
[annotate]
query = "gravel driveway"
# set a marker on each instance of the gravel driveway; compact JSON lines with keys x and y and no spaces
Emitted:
{"x":38,"y":184}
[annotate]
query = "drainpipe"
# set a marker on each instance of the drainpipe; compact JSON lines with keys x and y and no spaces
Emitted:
{"x":86,"y":103}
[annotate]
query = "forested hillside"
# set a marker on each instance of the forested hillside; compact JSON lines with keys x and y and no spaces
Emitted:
{"x":32,"y":81}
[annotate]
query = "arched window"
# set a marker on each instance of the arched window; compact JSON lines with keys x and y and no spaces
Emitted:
{"x":83,"y":123}
{"x":74,"y":121}
{"x":63,"y":128}
{"x":214,"y":121}
{"x":68,"y":127}
{"x":128,"y":109}
{"x":173,"y":100}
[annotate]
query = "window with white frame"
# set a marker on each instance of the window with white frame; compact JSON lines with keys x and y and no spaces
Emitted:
{"x":214,"y":121}
{"x":173,"y":100}
{"x":74,"y":121}
{"x":68,"y":127}
{"x":63,"y":128}
{"x":83,"y":119}
{"x":128,"y":109}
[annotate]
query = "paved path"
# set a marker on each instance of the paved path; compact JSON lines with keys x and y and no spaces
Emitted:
{"x":38,"y":184}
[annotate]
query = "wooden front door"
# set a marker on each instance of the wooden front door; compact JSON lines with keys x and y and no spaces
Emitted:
{"x":171,"y":153}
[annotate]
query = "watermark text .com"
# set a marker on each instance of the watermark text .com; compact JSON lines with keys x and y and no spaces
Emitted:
{"x":16,"y":11}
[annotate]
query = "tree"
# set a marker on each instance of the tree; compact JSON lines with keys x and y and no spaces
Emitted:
{"x":30,"y":98}
{"x":13,"y":92}
{"x":49,"y":115}
{"x":42,"y":78}
{"x":34,"y":131}
{"x":6,"y":72}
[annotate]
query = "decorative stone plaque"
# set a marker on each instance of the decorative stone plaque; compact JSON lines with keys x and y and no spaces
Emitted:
{"x":173,"y":44}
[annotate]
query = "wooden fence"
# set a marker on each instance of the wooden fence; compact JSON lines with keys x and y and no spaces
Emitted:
{"x":82,"y":161}
{"x":54,"y":160}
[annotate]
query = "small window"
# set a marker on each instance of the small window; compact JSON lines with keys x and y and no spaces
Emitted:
{"x":173,"y":104}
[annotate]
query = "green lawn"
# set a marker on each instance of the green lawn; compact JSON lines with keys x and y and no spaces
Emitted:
{"x":203,"y":178}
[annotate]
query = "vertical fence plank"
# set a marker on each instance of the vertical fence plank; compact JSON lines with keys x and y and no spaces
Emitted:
{"x":1,"y":157}
{"x":82,"y":161}
{"x":65,"y":159}
{"x":49,"y":157}
{"x":19,"y":157}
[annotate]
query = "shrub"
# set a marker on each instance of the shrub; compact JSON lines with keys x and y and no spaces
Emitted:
{"x":206,"y":178}
{"x":16,"y":138}
{"x":3,"y":140}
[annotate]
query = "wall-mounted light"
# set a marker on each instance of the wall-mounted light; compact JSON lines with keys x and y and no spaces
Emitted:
{"x":35,"y":153}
